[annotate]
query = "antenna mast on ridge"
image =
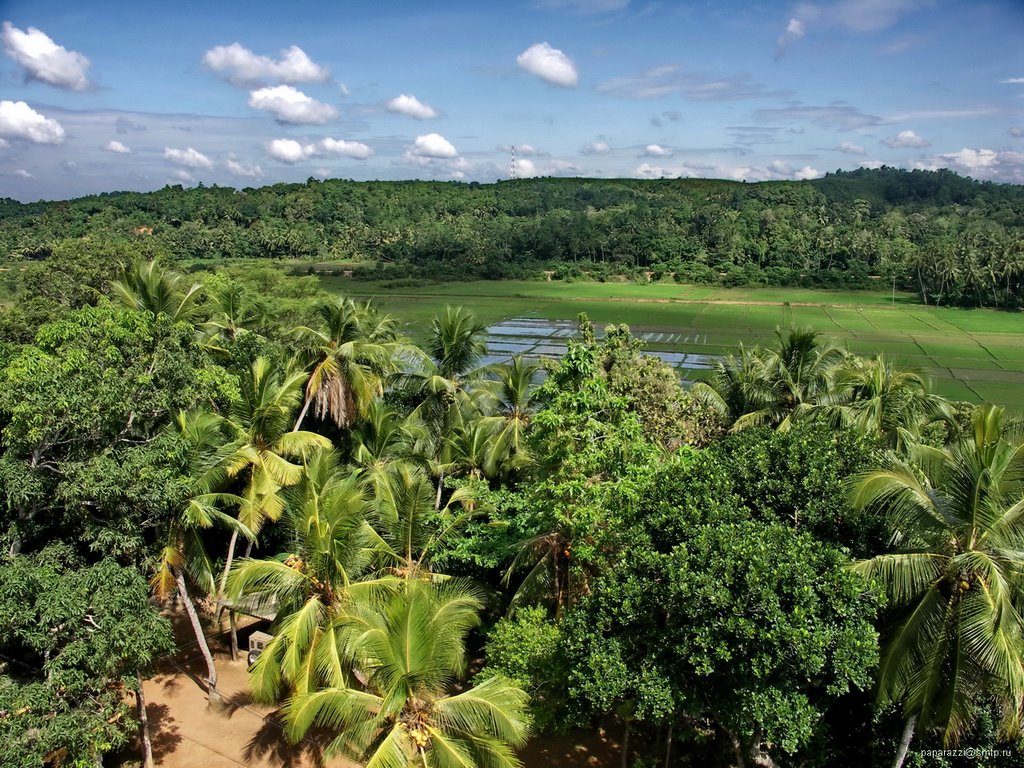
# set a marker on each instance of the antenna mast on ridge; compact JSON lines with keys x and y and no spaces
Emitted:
{"x":513,"y":161}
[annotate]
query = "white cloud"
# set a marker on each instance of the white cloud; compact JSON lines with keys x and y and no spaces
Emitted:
{"x":655,"y":150}
{"x":794,"y":31}
{"x":290,"y":105}
{"x":871,"y":164}
{"x":246,"y":170}
{"x":410,"y":106}
{"x":986,"y":164}
{"x":851,"y":149}
{"x":344,"y":90}
{"x":806,"y":173}
{"x":19,"y":121}
{"x":526,"y":168}
{"x":549,"y":64}
{"x":433,"y":145}
{"x":521,"y":150}
{"x":289,"y":150}
{"x":118,"y":147}
{"x":1017,"y":133}
{"x":241,"y":66}
{"x":182,"y":175}
{"x":595,"y":148}
{"x":906,"y":139}
{"x":972,"y":159}
{"x":4,"y":144}
{"x":44,"y":60}
{"x":22,"y":173}
{"x":190,"y":158}
{"x":1013,"y":81}
{"x":775,"y":170}
{"x":355,"y":149}
{"x":668,"y":79}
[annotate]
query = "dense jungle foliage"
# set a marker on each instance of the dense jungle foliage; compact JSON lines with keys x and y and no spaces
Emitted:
{"x":810,"y":559}
{"x":952,"y":240}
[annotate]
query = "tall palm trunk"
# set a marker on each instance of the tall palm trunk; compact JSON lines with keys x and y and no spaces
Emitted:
{"x":216,"y":701}
{"x":227,"y":568}
{"x":147,"y":744}
{"x":302,"y":414}
{"x":908,"y":734}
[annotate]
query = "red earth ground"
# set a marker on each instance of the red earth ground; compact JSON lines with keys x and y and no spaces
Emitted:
{"x":186,"y":734}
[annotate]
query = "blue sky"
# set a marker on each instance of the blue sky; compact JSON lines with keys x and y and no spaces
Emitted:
{"x":107,"y":95}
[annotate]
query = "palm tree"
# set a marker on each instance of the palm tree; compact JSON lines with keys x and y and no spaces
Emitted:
{"x":955,"y":584}
{"x":329,"y":563}
{"x":232,"y":314}
{"x":890,"y":403}
{"x":147,"y":287}
{"x":410,"y":650}
{"x":512,"y":412}
{"x":183,"y":557}
{"x":404,"y":514}
{"x":349,"y":359}
{"x":776,"y":385}
{"x":262,"y":444}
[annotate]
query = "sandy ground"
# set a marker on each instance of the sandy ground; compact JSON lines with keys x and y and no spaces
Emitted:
{"x":186,"y":734}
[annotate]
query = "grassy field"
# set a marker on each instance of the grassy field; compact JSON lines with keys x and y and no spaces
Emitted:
{"x":971,"y":354}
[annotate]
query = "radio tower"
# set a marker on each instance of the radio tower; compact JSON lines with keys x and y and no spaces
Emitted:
{"x":513,"y":161}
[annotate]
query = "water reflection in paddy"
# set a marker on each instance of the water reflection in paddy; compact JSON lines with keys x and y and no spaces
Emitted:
{"x":535,"y":338}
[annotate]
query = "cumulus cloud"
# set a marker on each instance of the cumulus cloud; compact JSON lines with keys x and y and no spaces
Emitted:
{"x":655,"y":150}
{"x":190,"y":158}
{"x":118,"y":147}
{"x":289,"y":150}
{"x":245,"y":170}
{"x":19,"y":121}
{"x":521,"y":150}
{"x":1017,"y":133}
{"x":669,"y":79}
{"x":905,"y":139}
{"x":240,"y":66}
{"x":22,"y":173}
{"x":871,"y":164}
{"x":805,"y":173}
{"x":851,"y":149}
{"x":433,"y":145}
{"x":289,"y":105}
{"x":182,"y":175}
{"x":354,"y":149}
{"x":1013,"y":81}
{"x":775,"y":170}
{"x":410,"y":106}
{"x":982,"y":163}
{"x":549,"y":64}
{"x":44,"y":60}
{"x":595,"y":148}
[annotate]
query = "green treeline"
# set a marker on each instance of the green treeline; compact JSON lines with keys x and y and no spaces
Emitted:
{"x":951,"y":240}
{"x":808,"y":560}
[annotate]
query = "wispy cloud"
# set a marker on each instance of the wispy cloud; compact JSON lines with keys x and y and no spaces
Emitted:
{"x":840,"y":117}
{"x":855,"y":16}
{"x":670,"y":79}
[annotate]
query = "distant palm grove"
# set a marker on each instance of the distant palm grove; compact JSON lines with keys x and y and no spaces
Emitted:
{"x":951,"y":240}
{"x":807,"y":559}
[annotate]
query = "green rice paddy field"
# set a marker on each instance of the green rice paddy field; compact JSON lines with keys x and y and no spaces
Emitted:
{"x":970,"y":354}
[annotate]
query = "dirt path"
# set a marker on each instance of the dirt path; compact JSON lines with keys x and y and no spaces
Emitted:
{"x":188,"y":735}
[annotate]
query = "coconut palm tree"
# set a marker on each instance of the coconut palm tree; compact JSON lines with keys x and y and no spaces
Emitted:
{"x":513,"y":408}
{"x":262,"y":445}
{"x":349,"y":359}
{"x":147,"y":287}
{"x":183,"y":557}
{"x":879,"y":399}
{"x":409,"y":650}
{"x":956,"y":581}
{"x":329,"y":563}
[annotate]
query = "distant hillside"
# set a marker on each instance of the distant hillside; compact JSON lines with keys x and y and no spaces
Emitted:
{"x":950,"y":238}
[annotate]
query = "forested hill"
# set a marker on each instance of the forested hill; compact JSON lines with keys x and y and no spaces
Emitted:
{"x":951,"y":239}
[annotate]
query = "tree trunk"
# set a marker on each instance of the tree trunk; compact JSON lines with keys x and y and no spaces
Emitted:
{"x":216,"y":702}
{"x":668,"y":746}
{"x":908,"y":734}
{"x":147,"y":744}
{"x":625,"y":744}
{"x":440,"y":487}
{"x":227,"y":567}
{"x":302,"y":414}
